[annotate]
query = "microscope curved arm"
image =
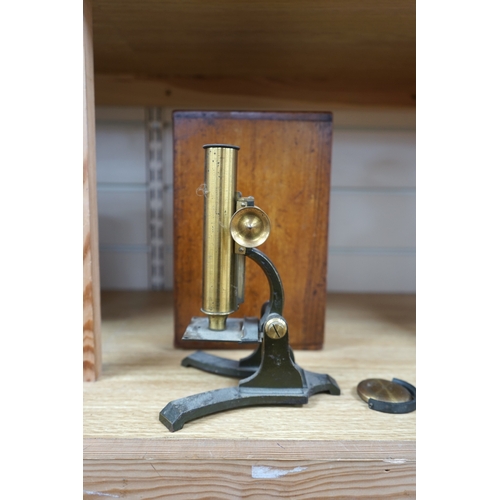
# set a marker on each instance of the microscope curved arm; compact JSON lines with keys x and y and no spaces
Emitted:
{"x":277,"y":293}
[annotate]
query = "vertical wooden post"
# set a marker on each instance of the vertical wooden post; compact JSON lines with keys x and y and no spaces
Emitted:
{"x":91,"y":286}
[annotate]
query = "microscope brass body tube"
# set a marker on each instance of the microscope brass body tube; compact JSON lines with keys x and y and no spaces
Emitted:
{"x":219,"y":290}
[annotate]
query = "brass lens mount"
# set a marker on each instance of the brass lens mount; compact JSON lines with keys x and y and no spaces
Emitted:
{"x":396,"y":396}
{"x":250,"y":227}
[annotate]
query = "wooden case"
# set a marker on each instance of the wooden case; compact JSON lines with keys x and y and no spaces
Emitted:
{"x":284,"y":162}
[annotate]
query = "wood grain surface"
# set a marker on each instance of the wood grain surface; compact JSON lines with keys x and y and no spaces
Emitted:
{"x":91,"y":285}
{"x":215,"y":479}
{"x":251,"y":93}
{"x":333,"y":447}
{"x":284,"y":162}
{"x":345,"y":51}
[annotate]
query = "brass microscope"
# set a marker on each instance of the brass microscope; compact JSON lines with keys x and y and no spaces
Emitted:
{"x":233,"y":228}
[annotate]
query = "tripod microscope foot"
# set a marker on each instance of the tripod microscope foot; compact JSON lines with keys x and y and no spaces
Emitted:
{"x":227,"y":367}
{"x":218,"y":365}
{"x":180,"y":411}
{"x":183,"y":410}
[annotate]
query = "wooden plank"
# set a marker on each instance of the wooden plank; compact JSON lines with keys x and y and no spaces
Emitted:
{"x":248,"y":449}
{"x":91,"y":299}
{"x":284,"y":162}
{"x":263,"y":479}
{"x":243,"y":93}
{"x":337,"y":50}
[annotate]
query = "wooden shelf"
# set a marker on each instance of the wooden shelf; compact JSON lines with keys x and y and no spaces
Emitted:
{"x":355,"y":52}
{"x":333,"y":447}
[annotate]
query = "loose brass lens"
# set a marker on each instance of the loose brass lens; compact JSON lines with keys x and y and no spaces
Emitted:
{"x":250,"y":227}
{"x":383,"y":390}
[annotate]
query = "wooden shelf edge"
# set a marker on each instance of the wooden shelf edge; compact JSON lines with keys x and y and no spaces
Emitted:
{"x":396,"y":452}
{"x":92,"y":356}
{"x":246,"y":94}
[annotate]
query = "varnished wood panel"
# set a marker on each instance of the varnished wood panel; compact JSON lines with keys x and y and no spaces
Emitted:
{"x":284,"y":162}
{"x":91,"y":300}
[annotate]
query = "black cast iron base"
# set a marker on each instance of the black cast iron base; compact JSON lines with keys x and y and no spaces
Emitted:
{"x":180,"y":411}
{"x":223,"y":366}
{"x":270,"y":374}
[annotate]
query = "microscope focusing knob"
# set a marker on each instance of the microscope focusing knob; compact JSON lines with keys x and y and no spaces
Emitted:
{"x":275,"y":327}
